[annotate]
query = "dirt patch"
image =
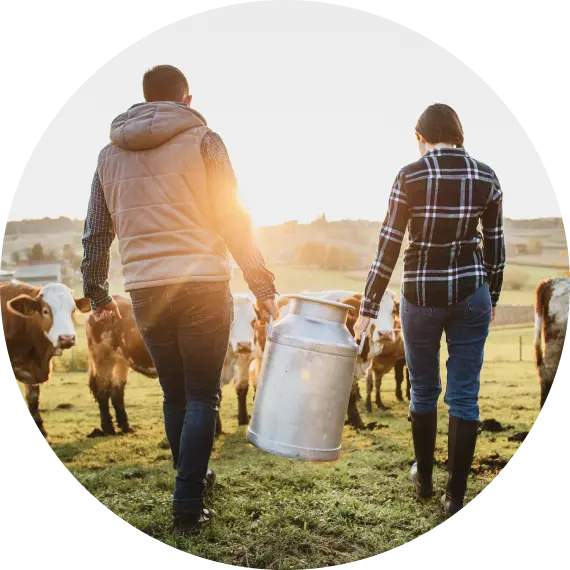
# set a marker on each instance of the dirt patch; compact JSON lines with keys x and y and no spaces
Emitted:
{"x":371,"y":426}
{"x":64,"y":406}
{"x":133,"y":474}
{"x":520,"y":436}
{"x":493,"y":426}
{"x":491,"y":464}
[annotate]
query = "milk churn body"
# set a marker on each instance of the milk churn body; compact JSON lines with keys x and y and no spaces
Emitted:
{"x":305,"y":382}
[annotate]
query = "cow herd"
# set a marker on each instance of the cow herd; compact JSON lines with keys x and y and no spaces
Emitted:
{"x":39,"y":324}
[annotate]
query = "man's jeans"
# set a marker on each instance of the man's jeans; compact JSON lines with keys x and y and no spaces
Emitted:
{"x":466,"y":327}
{"x":186,"y":329}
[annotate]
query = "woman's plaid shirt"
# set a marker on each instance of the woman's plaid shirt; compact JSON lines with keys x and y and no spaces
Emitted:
{"x":99,"y":232}
{"x":442,"y":199}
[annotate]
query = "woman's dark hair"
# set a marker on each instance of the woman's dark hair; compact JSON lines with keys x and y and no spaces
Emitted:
{"x":164,"y":83}
{"x":439,"y":123}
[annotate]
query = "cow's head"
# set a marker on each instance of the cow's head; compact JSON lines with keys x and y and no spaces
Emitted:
{"x":384,"y":322}
{"x":53,"y":311}
{"x":241,"y":334}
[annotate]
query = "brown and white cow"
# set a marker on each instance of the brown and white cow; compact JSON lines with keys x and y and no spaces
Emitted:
{"x":388,"y":354}
{"x":241,"y":351}
{"x":386,"y":350}
{"x":114,"y":349}
{"x":259,"y":340}
{"x":551,"y":320}
{"x":38,"y":324}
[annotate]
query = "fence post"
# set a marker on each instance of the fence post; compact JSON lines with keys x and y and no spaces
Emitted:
{"x":520,"y":348}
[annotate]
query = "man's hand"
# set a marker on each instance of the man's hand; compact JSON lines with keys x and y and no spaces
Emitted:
{"x":493,"y":312}
{"x":107,"y":313}
{"x":268,"y":307}
{"x":361,"y":326}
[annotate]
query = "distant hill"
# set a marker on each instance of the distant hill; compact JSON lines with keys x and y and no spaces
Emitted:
{"x":319,"y":243}
{"x":63,"y":224}
{"x":44,"y":226}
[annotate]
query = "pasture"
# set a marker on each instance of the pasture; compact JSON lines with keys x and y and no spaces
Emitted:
{"x":274,"y":512}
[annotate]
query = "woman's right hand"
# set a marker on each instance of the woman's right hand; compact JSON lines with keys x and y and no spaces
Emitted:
{"x":361,"y":326}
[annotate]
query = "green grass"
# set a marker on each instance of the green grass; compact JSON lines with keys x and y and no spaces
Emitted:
{"x":274,"y":512}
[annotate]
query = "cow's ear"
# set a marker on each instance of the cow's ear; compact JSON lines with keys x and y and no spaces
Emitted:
{"x":24,"y":306}
{"x":83,"y":304}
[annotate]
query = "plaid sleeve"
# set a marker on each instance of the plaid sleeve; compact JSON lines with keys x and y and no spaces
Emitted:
{"x":98,"y":235}
{"x":494,"y":241}
{"x":389,"y":245}
{"x":233,"y":223}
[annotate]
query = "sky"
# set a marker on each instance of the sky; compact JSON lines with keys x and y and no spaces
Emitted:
{"x":316,"y":104}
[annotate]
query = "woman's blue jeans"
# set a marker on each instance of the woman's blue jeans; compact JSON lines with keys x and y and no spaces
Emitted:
{"x":466,"y":327}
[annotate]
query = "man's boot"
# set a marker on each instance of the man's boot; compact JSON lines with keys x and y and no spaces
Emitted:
{"x":424,"y":430}
{"x":189,"y":521}
{"x":461,"y":449}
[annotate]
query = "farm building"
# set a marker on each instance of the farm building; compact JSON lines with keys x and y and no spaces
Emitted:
{"x":39,"y":274}
{"x":6,"y":275}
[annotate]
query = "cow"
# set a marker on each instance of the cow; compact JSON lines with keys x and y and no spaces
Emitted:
{"x":551,"y":320}
{"x":388,"y":354}
{"x":38,"y":325}
{"x":386,"y":349}
{"x":242,"y":350}
{"x":259,"y":340}
{"x":114,"y":349}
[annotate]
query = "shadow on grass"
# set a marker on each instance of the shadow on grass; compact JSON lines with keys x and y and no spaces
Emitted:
{"x":67,"y":452}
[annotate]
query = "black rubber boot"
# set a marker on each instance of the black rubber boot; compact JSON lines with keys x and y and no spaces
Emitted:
{"x":424,"y":431}
{"x":461,"y":449}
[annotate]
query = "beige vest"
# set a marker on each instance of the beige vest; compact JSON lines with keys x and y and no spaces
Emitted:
{"x":155,"y":186}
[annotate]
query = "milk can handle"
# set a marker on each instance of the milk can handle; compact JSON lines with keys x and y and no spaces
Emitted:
{"x":361,"y":345}
{"x":269,"y":327}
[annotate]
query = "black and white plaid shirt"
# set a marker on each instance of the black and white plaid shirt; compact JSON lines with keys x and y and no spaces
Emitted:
{"x":441,"y":199}
{"x":99,"y":231}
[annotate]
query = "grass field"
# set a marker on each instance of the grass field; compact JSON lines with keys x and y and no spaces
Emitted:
{"x":274,"y":512}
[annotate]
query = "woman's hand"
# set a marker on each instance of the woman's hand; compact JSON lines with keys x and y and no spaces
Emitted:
{"x":361,"y":326}
{"x":493,"y":313}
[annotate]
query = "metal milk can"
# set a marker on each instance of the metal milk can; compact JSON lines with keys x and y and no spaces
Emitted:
{"x":305,"y":382}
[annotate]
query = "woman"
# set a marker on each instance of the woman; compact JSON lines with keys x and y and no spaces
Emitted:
{"x":452,"y":281}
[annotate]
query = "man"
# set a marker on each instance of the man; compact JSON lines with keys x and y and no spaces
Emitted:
{"x":165,"y":187}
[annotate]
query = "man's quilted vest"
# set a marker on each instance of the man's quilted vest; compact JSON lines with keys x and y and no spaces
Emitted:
{"x":155,"y":186}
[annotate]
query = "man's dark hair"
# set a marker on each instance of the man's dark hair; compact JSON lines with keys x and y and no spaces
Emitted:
{"x":165,"y":83}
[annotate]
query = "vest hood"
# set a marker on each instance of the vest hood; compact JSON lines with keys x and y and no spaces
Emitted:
{"x":148,"y":125}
